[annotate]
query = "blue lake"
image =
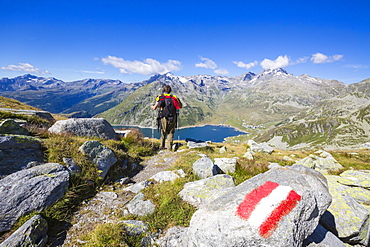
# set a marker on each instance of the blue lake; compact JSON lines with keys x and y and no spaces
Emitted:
{"x":206,"y":133}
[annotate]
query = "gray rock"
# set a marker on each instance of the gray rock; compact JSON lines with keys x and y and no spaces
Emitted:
{"x":19,"y":142}
{"x":223,"y":150}
{"x":30,"y":190}
{"x":174,"y":237}
{"x":106,"y":196}
{"x":136,"y":188}
{"x":134,"y":227}
{"x":192,"y":144}
{"x":324,"y":238}
{"x":248,"y":155}
{"x":165,"y":176}
{"x":138,"y":206}
{"x":287,"y":158}
{"x":260,"y":147}
{"x":124,"y":180}
{"x":41,"y":114}
{"x":365,"y":145}
{"x":205,"y":168}
{"x":31,"y":233}
{"x":200,"y":192}
{"x":346,"y":217}
{"x":100,"y":155}
{"x":355,"y":178}
{"x":9,"y":126}
{"x":226,"y":164}
{"x":235,"y":219}
{"x":89,"y":127}
{"x":71,"y":165}
{"x":273,"y":165}
{"x":17,"y":152}
{"x":323,"y":163}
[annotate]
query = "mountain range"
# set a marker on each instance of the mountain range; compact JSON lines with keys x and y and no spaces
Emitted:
{"x":287,"y":110}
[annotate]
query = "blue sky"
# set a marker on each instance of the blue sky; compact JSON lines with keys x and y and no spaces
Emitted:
{"x":132,"y":40}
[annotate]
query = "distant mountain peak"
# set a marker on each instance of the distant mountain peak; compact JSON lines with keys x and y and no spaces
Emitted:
{"x":274,"y":71}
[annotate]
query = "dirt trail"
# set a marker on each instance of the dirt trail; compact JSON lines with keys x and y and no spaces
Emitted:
{"x":106,"y":206}
{"x":160,"y":162}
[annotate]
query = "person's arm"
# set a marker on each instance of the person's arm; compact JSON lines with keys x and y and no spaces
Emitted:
{"x":155,"y":106}
{"x":180,"y":104}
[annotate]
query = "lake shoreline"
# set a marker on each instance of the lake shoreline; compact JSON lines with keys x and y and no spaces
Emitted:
{"x":208,"y":132}
{"x":185,"y":127}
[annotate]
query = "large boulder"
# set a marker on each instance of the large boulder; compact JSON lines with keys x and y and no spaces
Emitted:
{"x":100,"y":155}
{"x":17,"y":151}
{"x":348,"y":215}
{"x":31,"y":233}
{"x":89,"y":127}
{"x":30,"y":190}
{"x":280,"y":207}
{"x":226,"y":164}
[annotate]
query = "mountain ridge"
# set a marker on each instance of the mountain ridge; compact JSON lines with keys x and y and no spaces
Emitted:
{"x":274,"y":99}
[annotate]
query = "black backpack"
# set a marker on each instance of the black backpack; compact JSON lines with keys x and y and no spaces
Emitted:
{"x":169,"y":109}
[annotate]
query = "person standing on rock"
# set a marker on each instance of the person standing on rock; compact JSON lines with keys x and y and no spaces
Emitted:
{"x":168,"y":105}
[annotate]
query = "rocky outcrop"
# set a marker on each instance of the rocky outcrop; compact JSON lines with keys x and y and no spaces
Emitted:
{"x":18,"y":152}
{"x":281,"y":207}
{"x":41,"y":114}
{"x":323,"y":163}
{"x":259,"y":147}
{"x":9,"y":126}
{"x":32,"y":233}
{"x":30,"y":190}
{"x":100,"y":155}
{"x":89,"y":127}
{"x":348,"y":215}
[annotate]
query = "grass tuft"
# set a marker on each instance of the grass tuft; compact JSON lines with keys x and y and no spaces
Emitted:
{"x":109,"y":234}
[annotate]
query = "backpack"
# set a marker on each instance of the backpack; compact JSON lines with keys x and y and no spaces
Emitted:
{"x":168,"y":107}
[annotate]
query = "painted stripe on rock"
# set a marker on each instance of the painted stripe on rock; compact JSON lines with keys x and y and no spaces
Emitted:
{"x":266,"y":205}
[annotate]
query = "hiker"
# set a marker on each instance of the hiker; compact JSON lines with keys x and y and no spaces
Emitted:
{"x":167,"y":116}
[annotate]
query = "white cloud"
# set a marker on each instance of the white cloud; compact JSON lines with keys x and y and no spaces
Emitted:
{"x":322,"y":58}
{"x":208,"y":64}
{"x":147,"y":67}
{"x":337,"y":57}
{"x":302,"y":60}
{"x":26,"y":67}
{"x":221,"y":71}
{"x":93,"y":72}
{"x":280,"y":62}
{"x":240,"y":64}
{"x":357,"y":66}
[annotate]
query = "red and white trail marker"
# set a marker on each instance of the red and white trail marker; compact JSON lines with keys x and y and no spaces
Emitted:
{"x":266,"y":205}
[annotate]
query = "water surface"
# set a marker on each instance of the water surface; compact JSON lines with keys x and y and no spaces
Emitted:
{"x":214,"y":133}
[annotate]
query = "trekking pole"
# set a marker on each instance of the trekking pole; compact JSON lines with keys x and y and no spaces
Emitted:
{"x":153,"y":124}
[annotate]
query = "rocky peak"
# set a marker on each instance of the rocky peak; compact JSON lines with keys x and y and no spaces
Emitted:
{"x":248,"y":76}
